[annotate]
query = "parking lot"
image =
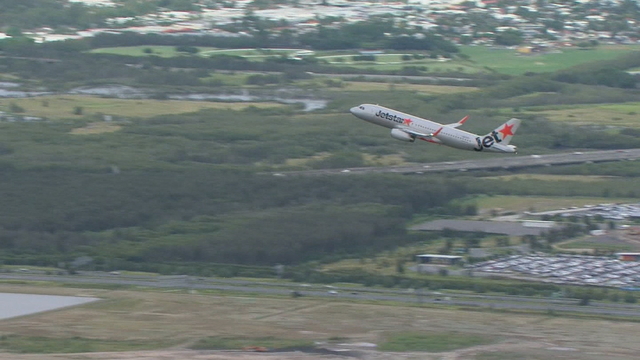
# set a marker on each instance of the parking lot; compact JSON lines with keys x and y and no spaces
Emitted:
{"x":606,"y":211}
{"x":566,"y":269}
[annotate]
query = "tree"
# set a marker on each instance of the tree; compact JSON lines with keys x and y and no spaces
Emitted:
{"x":187,"y":49}
{"x":584,"y":300}
{"x":14,"y":31}
{"x":509,"y":38}
{"x":630,"y":298}
{"x":15,"y":108}
{"x":502,"y":241}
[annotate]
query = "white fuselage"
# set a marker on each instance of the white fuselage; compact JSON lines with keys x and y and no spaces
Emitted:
{"x":446,"y":135}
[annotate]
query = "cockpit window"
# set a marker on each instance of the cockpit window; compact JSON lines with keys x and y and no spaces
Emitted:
{"x":361,"y":107}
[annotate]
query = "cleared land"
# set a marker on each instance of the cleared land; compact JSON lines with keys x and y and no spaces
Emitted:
{"x":539,"y":203}
{"x":64,"y":106}
{"x":178,"y":320}
{"x":613,"y":115}
{"x":613,"y":241}
{"x":510,"y":61}
{"x":96,"y":128}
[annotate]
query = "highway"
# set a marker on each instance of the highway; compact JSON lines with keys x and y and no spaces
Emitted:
{"x":502,"y":162}
{"x":504,"y":302}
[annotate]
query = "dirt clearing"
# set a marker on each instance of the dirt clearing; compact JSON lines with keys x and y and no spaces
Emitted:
{"x":179,"y":319}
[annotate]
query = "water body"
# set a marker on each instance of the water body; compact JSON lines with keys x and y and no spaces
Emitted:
{"x":4,"y":93}
{"x":127,"y":92}
{"x":14,"y":305}
{"x":7,"y":84}
{"x":309,"y":104}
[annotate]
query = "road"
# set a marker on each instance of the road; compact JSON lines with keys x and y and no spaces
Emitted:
{"x":371,"y":77}
{"x":355,"y":293}
{"x":504,"y":162}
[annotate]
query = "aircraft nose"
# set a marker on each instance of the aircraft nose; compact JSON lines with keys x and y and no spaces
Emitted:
{"x":357,"y":110}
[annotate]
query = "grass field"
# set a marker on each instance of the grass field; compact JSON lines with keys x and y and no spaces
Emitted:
{"x":395,"y":62}
{"x":509,"y":61}
{"x":615,"y":115}
{"x":170,"y":51}
{"x":482,"y":59}
{"x":385,"y":263}
{"x":63,"y":106}
{"x":432,"y":341}
{"x":235,"y":343}
{"x":423,"y":89}
{"x":165,"y":319}
{"x":162,"y":51}
{"x":39,"y":345}
{"x":550,"y":177}
{"x":607,"y":244}
{"x":538,"y":203}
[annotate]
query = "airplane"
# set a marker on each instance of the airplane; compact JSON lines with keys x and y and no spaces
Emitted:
{"x":407,"y":127}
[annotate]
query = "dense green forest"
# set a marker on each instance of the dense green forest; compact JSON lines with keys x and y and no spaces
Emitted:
{"x":172,"y":193}
{"x":189,"y":189}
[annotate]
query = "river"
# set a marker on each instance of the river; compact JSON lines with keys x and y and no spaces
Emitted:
{"x":10,"y":90}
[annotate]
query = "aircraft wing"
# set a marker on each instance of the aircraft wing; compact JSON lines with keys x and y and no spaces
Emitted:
{"x":455,"y":125}
{"x":418,"y":134}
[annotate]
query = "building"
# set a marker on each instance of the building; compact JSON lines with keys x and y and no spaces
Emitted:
{"x":510,"y":228}
{"x":434,"y":259}
{"x":628,"y":256}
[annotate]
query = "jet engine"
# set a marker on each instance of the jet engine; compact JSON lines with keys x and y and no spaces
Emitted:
{"x":401,"y":135}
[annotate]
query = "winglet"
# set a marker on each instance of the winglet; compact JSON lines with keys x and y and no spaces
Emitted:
{"x":462,"y":121}
{"x":436,"y":133}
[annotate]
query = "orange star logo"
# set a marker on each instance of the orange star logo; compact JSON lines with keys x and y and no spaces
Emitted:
{"x":407,"y":122}
{"x":506,"y":130}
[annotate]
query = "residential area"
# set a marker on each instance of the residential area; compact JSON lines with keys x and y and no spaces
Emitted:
{"x":530,"y":25}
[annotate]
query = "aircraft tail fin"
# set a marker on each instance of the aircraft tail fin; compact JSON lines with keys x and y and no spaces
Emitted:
{"x":504,"y":133}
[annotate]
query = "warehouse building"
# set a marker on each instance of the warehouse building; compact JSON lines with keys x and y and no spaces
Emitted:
{"x":435,"y":259}
{"x":628,"y":256}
